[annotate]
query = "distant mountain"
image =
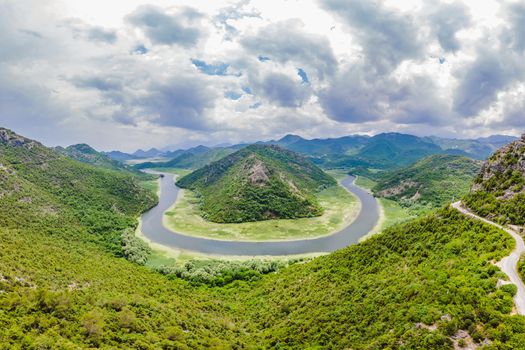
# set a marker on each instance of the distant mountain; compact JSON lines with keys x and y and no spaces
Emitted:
{"x":497,"y":141}
{"x":193,"y":158}
{"x":430,"y":182}
{"x":86,"y":154}
{"x":289,"y":139}
{"x":151,"y":153}
{"x":499,"y":190}
{"x":120,"y":156}
{"x":393,"y":149}
{"x":480,"y":148}
{"x":382,"y":151}
{"x":259,"y":182}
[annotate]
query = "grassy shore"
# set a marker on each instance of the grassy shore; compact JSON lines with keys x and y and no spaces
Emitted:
{"x":341,"y":207}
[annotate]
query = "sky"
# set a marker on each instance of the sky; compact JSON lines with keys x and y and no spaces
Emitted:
{"x":170,"y":74}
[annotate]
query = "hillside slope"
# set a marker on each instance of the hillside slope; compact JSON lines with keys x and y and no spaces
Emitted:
{"x":87,"y":154}
{"x":498,"y":192}
{"x":49,"y":188}
{"x":429,"y":183}
{"x":258,"y":183}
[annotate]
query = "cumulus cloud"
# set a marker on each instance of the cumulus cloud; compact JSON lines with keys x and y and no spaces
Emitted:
{"x":482,"y":80}
{"x":182,"y":102}
{"x":515,"y":13}
{"x":386,"y":36}
{"x":227,"y":16}
{"x":92,"y":33}
{"x":180,"y":28}
{"x":283,"y":90}
{"x":287,"y":42}
{"x":446,"y":20}
{"x":245,"y":71}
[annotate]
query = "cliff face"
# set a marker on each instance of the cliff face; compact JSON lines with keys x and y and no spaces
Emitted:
{"x":504,"y":172}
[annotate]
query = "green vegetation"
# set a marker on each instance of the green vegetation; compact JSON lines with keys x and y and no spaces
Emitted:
{"x":393,"y":213}
{"x":365,"y":182}
{"x":413,"y":286}
{"x":218,"y":273}
{"x":429,"y":183}
{"x":499,"y":190}
{"x":340,"y":208}
{"x":150,"y":185}
{"x":395,"y":287}
{"x":42,"y":190}
{"x":86,"y":154}
{"x":258,"y":183}
{"x":135,"y":249}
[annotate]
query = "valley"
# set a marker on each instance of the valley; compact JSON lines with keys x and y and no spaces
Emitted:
{"x":154,"y":229}
{"x":74,"y":274}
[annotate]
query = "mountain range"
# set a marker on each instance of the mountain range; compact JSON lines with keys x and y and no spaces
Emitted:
{"x":382,"y":151}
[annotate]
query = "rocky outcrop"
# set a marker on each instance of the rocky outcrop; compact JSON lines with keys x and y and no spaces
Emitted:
{"x":503,"y":170}
{"x":9,"y":138}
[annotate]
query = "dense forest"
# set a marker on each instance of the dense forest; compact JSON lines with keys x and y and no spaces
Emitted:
{"x":426,"y":284}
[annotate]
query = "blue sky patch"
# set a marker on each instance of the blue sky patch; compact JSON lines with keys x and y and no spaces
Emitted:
{"x":232,"y":95}
{"x":303,"y":75}
{"x":219,"y":68}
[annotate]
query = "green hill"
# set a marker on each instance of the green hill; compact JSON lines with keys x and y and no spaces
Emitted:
{"x":258,"y":183}
{"x":86,"y":154}
{"x":429,"y":183}
{"x":499,"y":190}
{"x":50,"y":188}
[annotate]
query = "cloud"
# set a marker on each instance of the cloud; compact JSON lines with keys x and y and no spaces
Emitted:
{"x":228,"y":15}
{"x":515,"y":13}
{"x":481,"y":81}
{"x":92,"y":33}
{"x":283,"y":90}
{"x":446,"y":20}
{"x":287,"y":42}
{"x":387,"y":37}
{"x":181,"y":28}
{"x":96,"y":82}
{"x":360,"y":95}
{"x":182,"y":102}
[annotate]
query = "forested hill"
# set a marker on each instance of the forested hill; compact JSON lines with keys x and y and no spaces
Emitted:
{"x":41,"y":187}
{"x":86,"y":154}
{"x":499,"y":190}
{"x":258,"y":183}
{"x":429,"y":183}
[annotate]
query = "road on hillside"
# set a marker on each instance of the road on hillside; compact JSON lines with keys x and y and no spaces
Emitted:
{"x":509,"y":264}
{"x":154,"y":230}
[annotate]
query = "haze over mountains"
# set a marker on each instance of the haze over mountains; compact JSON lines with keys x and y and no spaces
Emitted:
{"x":383,"y":151}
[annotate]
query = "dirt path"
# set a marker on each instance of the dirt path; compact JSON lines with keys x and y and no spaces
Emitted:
{"x":509,"y":264}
